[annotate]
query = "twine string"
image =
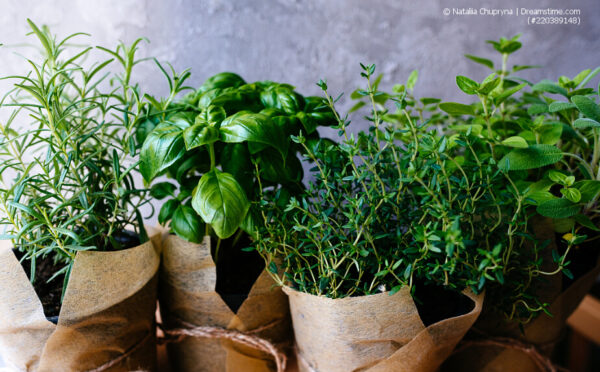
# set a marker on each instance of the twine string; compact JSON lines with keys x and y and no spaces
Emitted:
{"x":245,"y":338}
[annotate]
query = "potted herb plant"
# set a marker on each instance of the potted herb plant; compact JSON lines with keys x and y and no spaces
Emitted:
{"x":397,"y":223}
{"x":209,"y":145}
{"x":548,"y":148}
{"x":79,"y":274}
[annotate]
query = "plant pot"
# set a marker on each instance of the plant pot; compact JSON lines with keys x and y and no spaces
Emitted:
{"x":106,"y":320}
{"x":187,"y":293}
{"x":372,"y":333}
{"x":543,"y":332}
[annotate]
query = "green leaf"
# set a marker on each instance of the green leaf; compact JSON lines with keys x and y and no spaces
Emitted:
{"x":586,"y":222}
{"x":163,"y":147}
{"x":412,"y":80}
{"x":589,"y":189}
{"x":515,"y":141}
{"x":535,"y":156}
{"x":581,"y":76}
{"x":549,"y":87}
{"x":212,"y":115}
{"x":489,"y":84}
{"x":457,"y":109}
{"x":251,"y":222}
{"x":583,"y":123}
{"x":200,"y":134}
{"x":482,"y":61}
{"x":507,"y":93}
{"x":357,"y":106}
{"x":587,"y":107}
{"x":167,"y":210}
{"x":236,"y":160}
{"x":589,"y":77}
{"x":467,"y":85}
{"x":558,"y":208}
{"x":558,"y":177}
{"x":220,"y":201}
{"x":550,"y":133}
{"x":571,"y":193}
{"x":538,"y":108}
{"x":560,"y":106}
{"x":187,"y":224}
{"x":247,"y":126}
{"x":162,"y":190}
{"x":222,"y":80}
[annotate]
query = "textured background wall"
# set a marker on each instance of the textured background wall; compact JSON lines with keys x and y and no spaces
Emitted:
{"x":301,"y":41}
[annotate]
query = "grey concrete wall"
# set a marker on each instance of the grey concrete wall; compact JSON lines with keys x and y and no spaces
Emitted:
{"x":300,"y":41}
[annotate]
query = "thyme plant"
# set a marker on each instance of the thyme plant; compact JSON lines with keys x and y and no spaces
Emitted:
{"x":393,"y":207}
{"x":67,"y":150}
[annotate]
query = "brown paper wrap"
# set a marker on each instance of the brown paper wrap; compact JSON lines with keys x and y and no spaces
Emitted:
{"x":375,"y":333}
{"x":107,"y":312}
{"x":187,"y":285}
{"x":542,"y":333}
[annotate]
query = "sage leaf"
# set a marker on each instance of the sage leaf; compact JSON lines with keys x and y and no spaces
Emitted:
{"x":587,"y":107}
{"x":589,"y":189}
{"x":560,"y":106}
{"x":583,"y":123}
{"x":550,"y":87}
{"x":535,"y":156}
{"x":558,"y":208}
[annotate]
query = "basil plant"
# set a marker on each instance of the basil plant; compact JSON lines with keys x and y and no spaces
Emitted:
{"x":213,"y":142}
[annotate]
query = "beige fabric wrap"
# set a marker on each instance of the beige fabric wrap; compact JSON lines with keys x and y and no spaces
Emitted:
{"x":373,"y":333}
{"x":187,"y":292}
{"x":108,"y":310}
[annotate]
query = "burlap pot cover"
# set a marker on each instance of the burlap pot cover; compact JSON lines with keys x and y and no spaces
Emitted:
{"x":543,"y":332}
{"x":373,"y":333}
{"x":106,"y":322}
{"x":187,"y":285}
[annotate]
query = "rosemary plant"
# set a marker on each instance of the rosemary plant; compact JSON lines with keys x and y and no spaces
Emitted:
{"x":68,"y":153}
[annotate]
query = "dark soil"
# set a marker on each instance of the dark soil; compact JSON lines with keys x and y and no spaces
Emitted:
{"x":583,"y":257}
{"x":436,"y":303}
{"x":50,"y":293}
{"x":237,"y":270}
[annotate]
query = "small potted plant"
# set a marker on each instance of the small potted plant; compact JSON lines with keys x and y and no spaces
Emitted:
{"x":209,"y":145}
{"x":79,"y":274}
{"x":397,"y":223}
{"x":548,"y":148}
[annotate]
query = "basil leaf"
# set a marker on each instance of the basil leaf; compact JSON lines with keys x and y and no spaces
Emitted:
{"x":163,"y":147}
{"x":187,"y":224}
{"x":220,"y":201}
